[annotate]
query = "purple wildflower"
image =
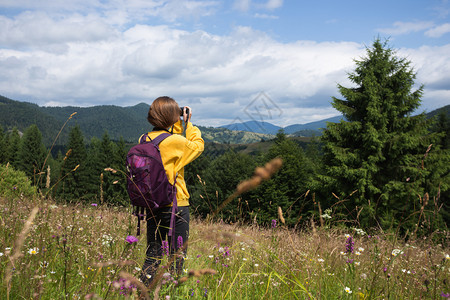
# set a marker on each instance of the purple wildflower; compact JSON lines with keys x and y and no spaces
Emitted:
{"x":14,"y":187}
{"x":131,"y":239}
{"x":349,"y":245}
{"x":350,"y":261}
{"x":384,"y":269}
{"x":179,"y":242}
{"x":94,"y":204}
{"x":274,"y":223}
{"x":165,"y":248}
{"x":444,"y":295}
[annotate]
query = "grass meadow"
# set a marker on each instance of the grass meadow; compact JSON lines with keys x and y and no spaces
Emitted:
{"x":53,"y":251}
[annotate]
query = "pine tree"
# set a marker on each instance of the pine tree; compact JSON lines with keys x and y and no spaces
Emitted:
{"x":32,"y":153}
{"x":2,"y":146}
{"x":286,"y":187}
{"x":74,"y":168}
{"x":12,"y":146}
{"x":377,"y":151}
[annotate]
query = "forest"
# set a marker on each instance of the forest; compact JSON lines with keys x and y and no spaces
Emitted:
{"x":383,"y":167}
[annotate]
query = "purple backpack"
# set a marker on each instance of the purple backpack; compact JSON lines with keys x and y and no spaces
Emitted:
{"x":147,"y":183}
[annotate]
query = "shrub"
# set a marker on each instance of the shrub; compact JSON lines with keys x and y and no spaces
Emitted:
{"x":14,"y":183}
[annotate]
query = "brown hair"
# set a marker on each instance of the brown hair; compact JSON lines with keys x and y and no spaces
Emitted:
{"x":164,"y":112}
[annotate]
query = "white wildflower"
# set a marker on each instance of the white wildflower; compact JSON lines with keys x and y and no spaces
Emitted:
{"x":348,"y":290}
{"x":396,"y":252}
{"x":33,"y":251}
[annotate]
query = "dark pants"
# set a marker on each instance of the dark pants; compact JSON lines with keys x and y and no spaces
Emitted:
{"x":159,"y":243}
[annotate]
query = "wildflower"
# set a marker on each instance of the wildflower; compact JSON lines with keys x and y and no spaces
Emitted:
{"x":325,"y":216}
{"x":348,"y":290}
{"x":94,"y":204}
{"x":1,"y":254}
{"x":384,"y":269}
{"x":349,"y":245}
{"x":396,"y":252}
{"x":447,"y":257}
{"x":357,"y":263}
{"x":359,"y":231}
{"x":357,"y":253}
{"x":33,"y":251}
{"x":210,"y":256}
{"x":444,"y":295}
{"x":347,"y":235}
{"x":274,"y":223}
{"x":165,"y":248}
{"x":320,"y":260}
{"x":131,"y":239}
{"x":180,"y":241}
{"x":361,"y":249}
{"x":350,"y":261}
{"x":256,"y":265}
{"x":244,"y":259}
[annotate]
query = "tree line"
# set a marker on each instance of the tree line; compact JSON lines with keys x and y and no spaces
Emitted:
{"x":382,"y":167}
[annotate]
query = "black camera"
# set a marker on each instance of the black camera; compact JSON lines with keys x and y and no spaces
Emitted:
{"x":182,"y":110}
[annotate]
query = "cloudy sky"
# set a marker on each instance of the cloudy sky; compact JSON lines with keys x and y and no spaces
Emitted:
{"x":230,"y":60}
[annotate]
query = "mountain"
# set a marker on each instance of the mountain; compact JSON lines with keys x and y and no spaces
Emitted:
{"x":254,"y":126}
{"x":130,"y":122}
{"x":318,"y":125}
{"x":308,"y":129}
{"x":127,"y":122}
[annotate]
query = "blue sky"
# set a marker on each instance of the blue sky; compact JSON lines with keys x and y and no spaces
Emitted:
{"x":223,"y":58}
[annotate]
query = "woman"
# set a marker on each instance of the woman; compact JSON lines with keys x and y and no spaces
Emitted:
{"x":176,"y":152}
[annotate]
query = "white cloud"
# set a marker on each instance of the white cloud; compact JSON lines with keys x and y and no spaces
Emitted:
{"x":92,"y":58}
{"x":265,"y":16}
{"x":242,"y":5}
{"x":406,"y":27}
{"x":438,"y":31}
{"x":273,"y":4}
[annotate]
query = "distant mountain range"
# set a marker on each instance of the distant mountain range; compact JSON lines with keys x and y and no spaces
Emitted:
{"x":130,"y":122}
{"x":308,"y":129}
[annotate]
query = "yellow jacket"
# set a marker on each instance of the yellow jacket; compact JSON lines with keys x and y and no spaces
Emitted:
{"x":176,"y":152}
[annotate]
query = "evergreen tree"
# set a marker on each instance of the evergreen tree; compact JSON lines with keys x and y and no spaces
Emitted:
{"x":3,"y":150}
{"x":221,"y":179}
{"x":378,"y":150}
{"x":32,"y":153}
{"x":74,"y":170}
{"x":12,"y":146}
{"x":286,"y":187}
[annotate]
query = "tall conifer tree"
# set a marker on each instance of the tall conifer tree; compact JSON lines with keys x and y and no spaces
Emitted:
{"x":2,"y":146}
{"x":12,"y":147}
{"x":377,"y":151}
{"x":32,"y":152}
{"x":75,"y":181}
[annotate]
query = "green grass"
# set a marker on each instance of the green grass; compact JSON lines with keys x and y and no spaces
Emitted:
{"x":78,"y":252}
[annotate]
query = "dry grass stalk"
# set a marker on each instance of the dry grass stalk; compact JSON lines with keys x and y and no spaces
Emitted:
{"x":260,"y":174}
{"x":320,"y":214}
{"x":280,"y":215}
{"x":197,"y":273}
{"x":142,"y":288}
{"x":17,"y":248}
{"x":47,"y":182}
{"x":101,"y":188}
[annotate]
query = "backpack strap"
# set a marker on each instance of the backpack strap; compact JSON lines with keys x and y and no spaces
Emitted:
{"x":156,"y":140}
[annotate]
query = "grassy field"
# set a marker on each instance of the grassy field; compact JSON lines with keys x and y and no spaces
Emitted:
{"x":53,"y":251}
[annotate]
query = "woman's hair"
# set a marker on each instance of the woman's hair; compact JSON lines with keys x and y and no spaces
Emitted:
{"x":164,"y":112}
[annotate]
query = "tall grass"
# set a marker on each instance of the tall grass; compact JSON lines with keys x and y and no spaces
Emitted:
{"x":81,"y":252}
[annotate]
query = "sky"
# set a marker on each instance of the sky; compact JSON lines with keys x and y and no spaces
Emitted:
{"x":278,"y":61}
